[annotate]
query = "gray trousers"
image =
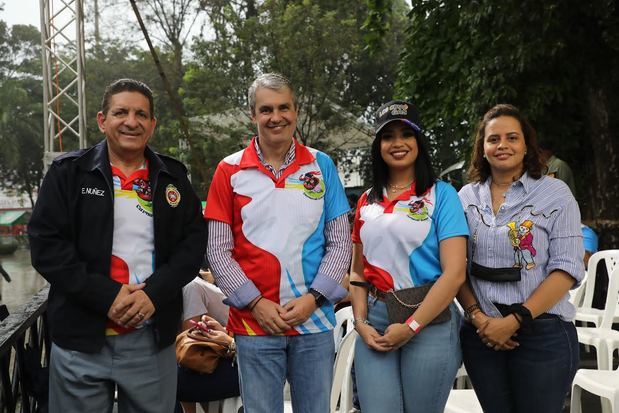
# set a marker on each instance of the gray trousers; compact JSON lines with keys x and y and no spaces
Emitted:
{"x":144,"y":376}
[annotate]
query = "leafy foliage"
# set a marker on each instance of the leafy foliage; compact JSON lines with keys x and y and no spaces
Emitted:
{"x":21,"y":144}
{"x":317,"y":44}
{"x":553,"y":59}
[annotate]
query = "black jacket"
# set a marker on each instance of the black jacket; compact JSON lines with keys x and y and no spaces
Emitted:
{"x":71,"y":245}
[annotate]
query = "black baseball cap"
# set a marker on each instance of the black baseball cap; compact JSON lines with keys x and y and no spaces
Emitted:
{"x":397,"y":110}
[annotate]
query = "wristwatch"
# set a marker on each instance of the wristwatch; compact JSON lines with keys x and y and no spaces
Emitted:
{"x":318,"y":297}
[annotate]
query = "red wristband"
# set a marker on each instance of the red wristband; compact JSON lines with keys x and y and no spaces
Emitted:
{"x":414,"y":325}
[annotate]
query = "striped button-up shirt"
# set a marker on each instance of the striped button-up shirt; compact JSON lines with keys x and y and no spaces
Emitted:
{"x":537,"y":229}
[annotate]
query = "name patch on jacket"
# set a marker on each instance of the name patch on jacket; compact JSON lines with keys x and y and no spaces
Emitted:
{"x":93,"y":191}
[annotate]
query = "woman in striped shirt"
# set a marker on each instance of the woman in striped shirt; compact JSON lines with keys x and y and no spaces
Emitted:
{"x":525,"y":252}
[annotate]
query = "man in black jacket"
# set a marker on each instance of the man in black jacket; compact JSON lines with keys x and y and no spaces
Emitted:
{"x":117,"y":231}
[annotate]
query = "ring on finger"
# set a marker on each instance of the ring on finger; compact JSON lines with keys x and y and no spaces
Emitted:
{"x":140,"y":315}
{"x":489,"y":344}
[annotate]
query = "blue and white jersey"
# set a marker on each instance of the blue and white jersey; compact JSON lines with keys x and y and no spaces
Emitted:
{"x":401,"y":237}
{"x":278,"y":226}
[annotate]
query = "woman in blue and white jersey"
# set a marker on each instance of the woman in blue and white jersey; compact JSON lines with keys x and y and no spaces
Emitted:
{"x":519,"y":346}
{"x":409,"y":238}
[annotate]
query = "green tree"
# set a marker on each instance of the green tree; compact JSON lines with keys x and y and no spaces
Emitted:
{"x":21,"y":145}
{"x":319,"y":45}
{"x":556,"y":60}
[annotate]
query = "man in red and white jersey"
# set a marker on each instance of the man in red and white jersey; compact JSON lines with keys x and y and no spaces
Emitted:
{"x":279,"y":247}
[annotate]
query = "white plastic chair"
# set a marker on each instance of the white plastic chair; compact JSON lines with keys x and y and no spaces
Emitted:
{"x":343,"y":324}
{"x":584,"y":311}
{"x":230,"y":405}
{"x":604,"y":338}
{"x":342,"y":381}
{"x":462,"y":400}
{"x":603,"y":383}
{"x":577,"y":295}
{"x":461,"y":378}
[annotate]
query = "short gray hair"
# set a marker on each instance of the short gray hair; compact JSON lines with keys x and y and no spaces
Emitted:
{"x":273,"y":81}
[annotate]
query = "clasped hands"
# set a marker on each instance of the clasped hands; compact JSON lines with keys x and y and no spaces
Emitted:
{"x":395,"y":336}
{"x":131,"y":307}
{"x":497,"y":332}
{"x":277,"y":319}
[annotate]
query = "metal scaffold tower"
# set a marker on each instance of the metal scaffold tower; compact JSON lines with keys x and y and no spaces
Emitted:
{"x":64,"y":106}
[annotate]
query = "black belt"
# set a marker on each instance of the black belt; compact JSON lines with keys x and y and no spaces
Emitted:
{"x":505,"y":311}
{"x":372,"y":290}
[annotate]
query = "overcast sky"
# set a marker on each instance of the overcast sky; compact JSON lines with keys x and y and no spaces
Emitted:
{"x":21,"y":12}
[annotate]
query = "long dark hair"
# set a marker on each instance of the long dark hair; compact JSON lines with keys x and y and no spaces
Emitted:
{"x":424,"y":173}
{"x":479,"y":170}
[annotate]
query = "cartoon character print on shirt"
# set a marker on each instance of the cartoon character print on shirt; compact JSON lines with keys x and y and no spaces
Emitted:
{"x":521,"y":239}
{"x":142,"y":189}
{"x":144,"y":195}
{"x":272,"y":207}
{"x":311,"y":183}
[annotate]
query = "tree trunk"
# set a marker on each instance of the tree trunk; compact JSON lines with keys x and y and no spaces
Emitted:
{"x":197,"y":157}
{"x":97,"y":34}
{"x":605,"y":145}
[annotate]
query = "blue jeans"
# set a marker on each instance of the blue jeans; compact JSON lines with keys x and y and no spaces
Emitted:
{"x":415,"y":378}
{"x":534,"y":377}
{"x":265,"y":362}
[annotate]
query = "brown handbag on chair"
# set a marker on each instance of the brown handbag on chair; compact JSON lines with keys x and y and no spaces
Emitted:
{"x":196,"y":352}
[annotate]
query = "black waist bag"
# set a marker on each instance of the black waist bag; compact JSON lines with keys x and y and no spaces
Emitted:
{"x":495,"y":274}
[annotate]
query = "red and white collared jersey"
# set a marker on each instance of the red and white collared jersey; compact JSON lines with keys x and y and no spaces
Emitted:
{"x":401,"y":237}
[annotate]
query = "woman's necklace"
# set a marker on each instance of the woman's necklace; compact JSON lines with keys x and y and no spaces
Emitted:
{"x":396,"y":188}
{"x":503,"y":194}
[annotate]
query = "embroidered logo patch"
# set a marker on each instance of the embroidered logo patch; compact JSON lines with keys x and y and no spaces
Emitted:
{"x":397,"y":109}
{"x":142,"y":188}
{"x":313,"y":186}
{"x":521,"y":239}
{"x":418,"y":210}
{"x":172,"y":196}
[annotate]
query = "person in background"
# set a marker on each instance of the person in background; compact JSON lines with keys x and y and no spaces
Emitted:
{"x":203,"y":301}
{"x":519,"y":345}
{"x":117,"y":231}
{"x":409,"y":232}
{"x":590,"y":242}
{"x":600,"y":289}
{"x":556,"y":167}
{"x":202,"y":296}
{"x":279,"y":246}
